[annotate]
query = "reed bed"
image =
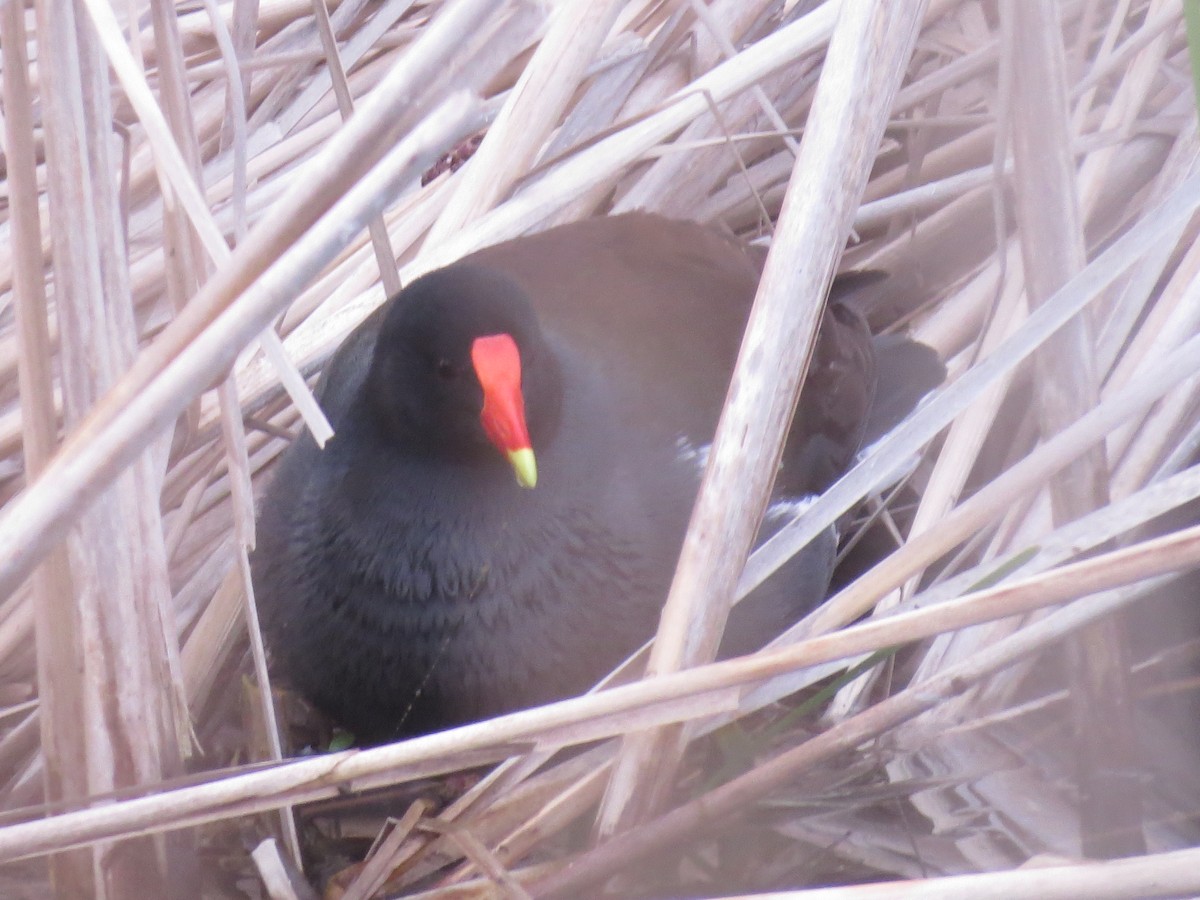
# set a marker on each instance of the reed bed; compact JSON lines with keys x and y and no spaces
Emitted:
{"x":201,"y":200}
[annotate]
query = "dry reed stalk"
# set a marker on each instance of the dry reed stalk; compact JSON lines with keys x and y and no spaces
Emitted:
{"x":172,"y":162}
{"x":86,"y":461}
{"x":969,"y":431}
{"x":693,"y":817}
{"x":868,"y":54}
{"x":990,"y":501}
{"x":533,"y":108}
{"x":278,"y":875}
{"x":1157,"y":875}
{"x":483,"y":860}
{"x":677,"y":175}
{"x":1081,"y":536}
{"x":383,"y":859}
{"x":1053,"y":549}
{"x":684,"y":695}
{"x":921,"y":427}
{"x":639,"y":131}
{"x":1052,"y":247}
{"x":965,"y":643}
{"x":111,"y":718}
{"x":337,"y":74}
{"x":512,"y":810}
{"x":601,"y":162}
{"x":1136,"y":450}
{"x":997,"y":691}
{"x":1122,"y":111}
{"x":51,"y":588}
{"x":75,"y":655}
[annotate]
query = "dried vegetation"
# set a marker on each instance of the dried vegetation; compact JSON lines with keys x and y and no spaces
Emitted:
{"x":200,"y":200}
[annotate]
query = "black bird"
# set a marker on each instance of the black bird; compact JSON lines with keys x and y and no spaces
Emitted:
{"x":519,"y":440}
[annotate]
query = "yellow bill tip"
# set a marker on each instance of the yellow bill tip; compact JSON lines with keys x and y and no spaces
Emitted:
{"x":524,"y":464}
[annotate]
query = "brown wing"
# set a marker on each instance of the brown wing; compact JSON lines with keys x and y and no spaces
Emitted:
{"x":831,"y":416}
{"x":661,"y":305}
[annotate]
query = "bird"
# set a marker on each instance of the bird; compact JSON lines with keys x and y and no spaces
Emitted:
{"x":519,"y":438}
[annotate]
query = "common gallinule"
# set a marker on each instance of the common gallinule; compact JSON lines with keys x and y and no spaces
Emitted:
{"x":519,"y":441}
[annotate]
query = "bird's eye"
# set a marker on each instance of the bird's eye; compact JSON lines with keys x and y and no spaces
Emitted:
{"x":446,"y":369}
